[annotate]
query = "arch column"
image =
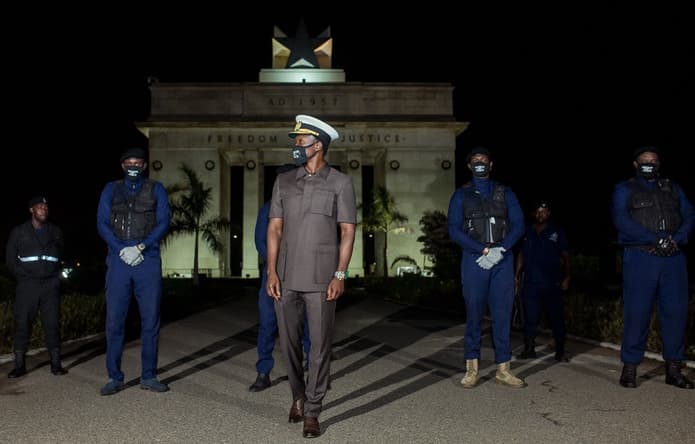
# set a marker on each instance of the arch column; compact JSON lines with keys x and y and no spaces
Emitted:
{"x":251,"y":205}
{"x":356,"y":267}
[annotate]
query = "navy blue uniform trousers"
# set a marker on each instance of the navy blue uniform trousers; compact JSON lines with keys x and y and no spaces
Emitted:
{"x":534,"y":295}
{"x":121,"y":281}
{"x":492,"y":288}
{"x":648,"y":279}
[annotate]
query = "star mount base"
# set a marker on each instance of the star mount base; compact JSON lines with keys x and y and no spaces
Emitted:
{"x":299,"y":75}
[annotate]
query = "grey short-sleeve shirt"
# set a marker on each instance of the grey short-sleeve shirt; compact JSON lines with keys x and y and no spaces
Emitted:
{"x":311,"y":207}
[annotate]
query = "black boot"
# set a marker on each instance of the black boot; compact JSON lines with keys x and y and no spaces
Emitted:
{"x":529,"y":349}
{"x":56,"y":368}
{"x":629,"y":376}
{"x":560,"y":351}
{"x":262,"y":382}
{"x":674,"y":376}
{"x":20,"y":366}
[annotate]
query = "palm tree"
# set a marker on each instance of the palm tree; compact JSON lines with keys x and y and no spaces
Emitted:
{"x":382,"y":216}
{"x":190,"y":202}
{"x":442,"y":251}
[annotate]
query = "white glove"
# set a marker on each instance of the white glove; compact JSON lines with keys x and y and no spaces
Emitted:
{"x":484,"y":263}
{"x":138,"y":260}
{"x":131,"y":255}
{"x":495,"y":255}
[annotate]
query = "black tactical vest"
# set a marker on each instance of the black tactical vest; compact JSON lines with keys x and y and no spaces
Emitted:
{"x":39,"y":253}
{"x":133,"y":216}
{"x":485,"y":220}
{"x":656,"y":210}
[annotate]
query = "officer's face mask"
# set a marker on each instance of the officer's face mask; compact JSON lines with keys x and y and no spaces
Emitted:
{"x":648,"y":170}
{"x":480,"y":169}
{"x":299,"y":154}
{"x":133,"y":172}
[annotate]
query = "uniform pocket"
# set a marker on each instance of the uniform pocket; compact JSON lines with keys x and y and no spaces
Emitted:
{"x":326,"y":263}
{"x":322,"y":202}
{"x":638,"y":202}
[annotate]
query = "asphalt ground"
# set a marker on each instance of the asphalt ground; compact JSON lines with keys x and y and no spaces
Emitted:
{"x":395,"y":378}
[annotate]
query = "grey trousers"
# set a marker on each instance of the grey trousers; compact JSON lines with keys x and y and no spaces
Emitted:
{"x":321,"y":313}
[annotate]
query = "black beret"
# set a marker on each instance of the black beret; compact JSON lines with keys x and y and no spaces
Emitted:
{"x":477,"y":150}
{"x":37,"y":200}
{"x":645,"y":149}
{"x":542,"y":204}
{"x":136,"y":152}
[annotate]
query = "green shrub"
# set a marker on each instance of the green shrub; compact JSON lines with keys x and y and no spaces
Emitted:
{"x":81,"y":315}
{"x":591,"y":313}
{"x":415,"y":289}
{"x":600,"y":317}
{"x":7,"y":287}
{"x":84,"y":315}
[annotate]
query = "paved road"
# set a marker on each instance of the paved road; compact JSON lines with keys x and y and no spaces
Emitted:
{"x":395,"y":379}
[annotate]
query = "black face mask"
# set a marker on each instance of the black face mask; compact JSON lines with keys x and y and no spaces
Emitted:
{"x":299,"y":154}
{"x":133,"y":172}
{"x":648,"y":170}
{"x":480,"y":169}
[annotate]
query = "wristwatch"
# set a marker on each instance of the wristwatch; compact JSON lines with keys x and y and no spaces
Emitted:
{"x":340,"y":275}
{"x":140,"y":246}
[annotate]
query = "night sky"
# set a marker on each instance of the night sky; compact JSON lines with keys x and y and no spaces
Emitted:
{"x":560,"y":101}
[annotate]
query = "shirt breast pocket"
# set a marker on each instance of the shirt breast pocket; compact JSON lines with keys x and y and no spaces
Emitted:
{"x":323,"y":202}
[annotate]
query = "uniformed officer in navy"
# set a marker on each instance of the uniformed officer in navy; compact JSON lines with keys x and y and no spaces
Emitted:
{"x":485,"y":220}
{"x":132,"y":218}
{"x":267,"y":320}
{"x":654,"y":219}
{"x":307,"y":261}
{"x":542,"y":273}
{"x":33,"y":255}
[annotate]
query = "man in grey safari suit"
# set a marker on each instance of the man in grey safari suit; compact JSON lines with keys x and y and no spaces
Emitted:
{"x":307,"y":262}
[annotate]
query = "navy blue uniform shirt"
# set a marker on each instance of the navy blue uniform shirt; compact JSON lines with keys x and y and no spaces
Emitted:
{"x":515,"y":218}
{"x":153,"y":238}
{"x":632,"y":233}
{"x":542,"y":254}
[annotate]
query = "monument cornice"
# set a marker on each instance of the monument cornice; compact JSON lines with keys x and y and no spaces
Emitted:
{"x":270,"y":101}
{"x":192,"y":125}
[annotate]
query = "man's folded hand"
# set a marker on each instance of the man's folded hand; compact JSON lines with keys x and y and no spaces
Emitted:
{"x":495,"y":255}
{"x":131,"y":256}
{"x":484,"y":263}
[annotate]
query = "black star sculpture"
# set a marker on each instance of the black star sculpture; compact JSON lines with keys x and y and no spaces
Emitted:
{"x":302,"y":48}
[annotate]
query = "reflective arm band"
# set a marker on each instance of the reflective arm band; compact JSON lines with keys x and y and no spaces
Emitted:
{"x":37,"y":258}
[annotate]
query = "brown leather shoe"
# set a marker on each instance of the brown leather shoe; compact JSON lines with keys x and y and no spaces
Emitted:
{"x":297,"y":410}
{"x":311,"y":427}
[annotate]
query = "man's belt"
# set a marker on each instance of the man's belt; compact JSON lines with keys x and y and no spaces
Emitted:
{"x":37,"y":258}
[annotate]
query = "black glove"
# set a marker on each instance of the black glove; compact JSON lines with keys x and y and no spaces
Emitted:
{"x":664,"y":248}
